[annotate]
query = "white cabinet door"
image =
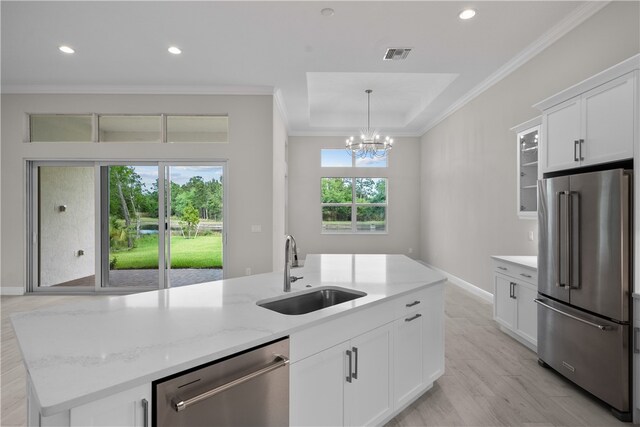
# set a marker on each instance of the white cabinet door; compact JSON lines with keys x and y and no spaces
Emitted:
{"x":607,"y":127}
{"x":527,"y":321}
{"x":408,"y":357}
{"x":561,"y":127}
{"x":368,"y":399}
{"x":123,"y":409}
{"x":504,"y":307}
{"x":317,"y":388}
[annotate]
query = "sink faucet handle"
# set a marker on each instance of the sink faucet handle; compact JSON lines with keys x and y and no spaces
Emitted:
{"x":294,"y":278}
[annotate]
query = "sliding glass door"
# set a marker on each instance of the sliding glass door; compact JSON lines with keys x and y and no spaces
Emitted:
{"x":195,"y":223}
{"x":64,"y":230}
{"x":100,"y":226}
{"x":130,"y":224}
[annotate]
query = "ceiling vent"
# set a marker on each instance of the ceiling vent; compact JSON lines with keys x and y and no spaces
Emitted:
{"x":397,"y":53}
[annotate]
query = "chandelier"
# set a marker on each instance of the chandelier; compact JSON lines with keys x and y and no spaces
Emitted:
{"x":370,"y":144}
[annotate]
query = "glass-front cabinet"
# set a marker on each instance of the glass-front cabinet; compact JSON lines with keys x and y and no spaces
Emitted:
{"x":528,"y":135}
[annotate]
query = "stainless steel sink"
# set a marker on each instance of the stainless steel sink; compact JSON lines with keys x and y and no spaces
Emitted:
{"x":314,"y":300}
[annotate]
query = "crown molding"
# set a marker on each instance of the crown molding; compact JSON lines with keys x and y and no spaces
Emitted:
{"x":137,"y":90}
{"x":581,"y":14}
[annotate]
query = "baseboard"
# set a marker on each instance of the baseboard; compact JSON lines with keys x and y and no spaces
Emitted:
{"x":518,"y":338}
{"x":11,"y":290}
{"x":487,"y":296}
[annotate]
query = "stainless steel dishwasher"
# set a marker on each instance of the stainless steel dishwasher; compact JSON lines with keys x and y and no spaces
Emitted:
{"x":247,"y":389}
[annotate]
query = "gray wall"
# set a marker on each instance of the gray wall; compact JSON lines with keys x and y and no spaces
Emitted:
{"x":403,"y":199}
{"x":249,"y":155}
{"x":468,"y":161}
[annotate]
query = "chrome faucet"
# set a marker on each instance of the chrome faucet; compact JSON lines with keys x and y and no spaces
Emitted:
{"x":289,"y":247}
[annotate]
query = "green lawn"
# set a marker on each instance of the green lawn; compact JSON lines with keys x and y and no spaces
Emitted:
{"x":201,"y":252}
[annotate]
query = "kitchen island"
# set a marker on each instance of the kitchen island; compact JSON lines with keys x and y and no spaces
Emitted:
{"x":82,"y":358}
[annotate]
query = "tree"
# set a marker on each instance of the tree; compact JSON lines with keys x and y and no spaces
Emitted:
{"x":190,"y":220}
{"x":336,"y":190}
{"x":125,"y":195}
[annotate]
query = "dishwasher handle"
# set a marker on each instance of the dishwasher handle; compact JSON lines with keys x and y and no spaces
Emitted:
{"x":279,"y":362}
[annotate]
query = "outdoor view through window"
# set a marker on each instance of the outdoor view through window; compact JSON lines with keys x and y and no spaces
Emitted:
{"x":130,"y":205}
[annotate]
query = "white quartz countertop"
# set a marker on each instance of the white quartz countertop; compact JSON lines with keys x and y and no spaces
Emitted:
{"x":78,"y":353}
{"x":524,"y":261}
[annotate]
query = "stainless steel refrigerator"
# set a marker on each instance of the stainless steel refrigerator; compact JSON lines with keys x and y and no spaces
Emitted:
{"x":585,"y":282}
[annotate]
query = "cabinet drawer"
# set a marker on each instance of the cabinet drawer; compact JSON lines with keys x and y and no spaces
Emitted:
{"x":410,"y":303}
{"x":517,"y":272}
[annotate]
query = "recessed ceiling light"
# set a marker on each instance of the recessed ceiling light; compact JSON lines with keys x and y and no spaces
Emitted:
{"x":327,"y":11}
{"x":174,"y":50}
{"x":66,"y":49}
{"x":467,"y":14}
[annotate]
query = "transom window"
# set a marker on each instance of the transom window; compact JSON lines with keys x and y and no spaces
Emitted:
{"x":354,"y":205}
{"x":107,"y":128}
{"x":341,"y":158}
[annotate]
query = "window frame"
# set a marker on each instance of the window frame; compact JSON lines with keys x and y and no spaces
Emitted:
{"x":354,"y":207}
{"x":354,"y":161}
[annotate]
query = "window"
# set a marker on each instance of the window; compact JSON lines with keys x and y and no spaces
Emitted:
{"x":338,"y":157}
{"x":354,"y":205}
{"x":128,"y":128}
{"x":60,"y":128}
{"x":197,"y":128}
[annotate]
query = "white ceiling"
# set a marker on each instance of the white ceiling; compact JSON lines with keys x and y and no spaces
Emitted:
{"x":318,"y":66}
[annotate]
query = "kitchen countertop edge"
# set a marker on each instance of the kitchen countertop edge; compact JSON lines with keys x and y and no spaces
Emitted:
{"x":530,"y":262}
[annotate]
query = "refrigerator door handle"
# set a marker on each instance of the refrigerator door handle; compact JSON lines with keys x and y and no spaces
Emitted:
{"x":571,"y":195}
{"x":559,"y":263}
{"x":586,"y":322}
{"x":569,"y":238}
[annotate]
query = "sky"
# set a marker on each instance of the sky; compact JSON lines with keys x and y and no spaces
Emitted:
{"x":179,"y":174}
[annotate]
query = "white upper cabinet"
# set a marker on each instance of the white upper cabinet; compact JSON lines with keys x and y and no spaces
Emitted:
{"x":561,"y":136}
{"x":527,"y":138}
{"x":608,"y":113}
{"x":592,"y":122}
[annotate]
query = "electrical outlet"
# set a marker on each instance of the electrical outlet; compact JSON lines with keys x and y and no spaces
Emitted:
{"x":256,"y":228}
{"x":531,"y":236}
{"x":410,"y":250}
{"x":247,"y":271}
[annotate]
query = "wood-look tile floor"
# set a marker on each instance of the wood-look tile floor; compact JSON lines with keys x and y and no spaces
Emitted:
{"x":490,"y":379}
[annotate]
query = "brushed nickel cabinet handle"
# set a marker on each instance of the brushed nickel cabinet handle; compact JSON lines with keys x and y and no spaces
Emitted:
{"x":526,"y":275}
{"x":350,"y":365}
{"x":581,"y":142}
{"x":410,"y":319}
{"x":355,"y":371}
{"x":502,"y":268}
{"x":575,"y":150}
{"x":413,"y":303}
{"x":145,"y":413}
